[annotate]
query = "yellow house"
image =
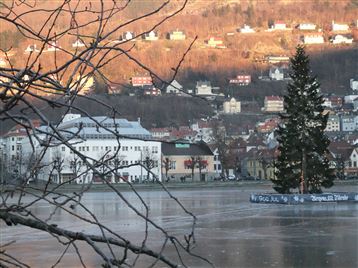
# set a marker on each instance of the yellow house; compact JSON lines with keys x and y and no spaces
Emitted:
{"x":177,"y":35}
{"x":180,"y":160}
{"x":259,"y":163}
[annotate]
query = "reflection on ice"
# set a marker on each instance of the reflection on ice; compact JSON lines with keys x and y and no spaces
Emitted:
{"x":231,"y":231}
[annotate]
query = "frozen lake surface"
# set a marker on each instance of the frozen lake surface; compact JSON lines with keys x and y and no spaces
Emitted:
{"x":230,"y":231}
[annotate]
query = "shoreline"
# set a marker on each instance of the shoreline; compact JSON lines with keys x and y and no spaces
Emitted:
{"x":170,"y":186}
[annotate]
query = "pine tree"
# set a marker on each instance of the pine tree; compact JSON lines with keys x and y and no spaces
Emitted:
{"x":303,"y":146}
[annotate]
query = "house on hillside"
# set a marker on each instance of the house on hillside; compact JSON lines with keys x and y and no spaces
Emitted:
{"x":174,"y":88}
{"x":78,"y":43}
{"x":268,"y":126}
{"x":177,"y":35}
{"x":31,"y":49}
{"x":232,"y":106}
{"x":203,"y":88}
{"x":333,"y":123}
{"x":306,"y":26}
{"x":309,"y":39}
{"x":215,"y":42}
{"x":277,"y":59}
{"x":180,"y":159}
{"x":336,"y":27}
{"x":341,"y":39}
{"x":278,"y":25}
{"x":241,"y":80}
{"x":151,"y":91}
{"x":53,"y":46}
{"x":151,"y":36}
{"x":355,"y":104}
{"x":273,"y":104}
{"x":127,"y":36}
{"x":277,"y":73}
{"x":83,"y":85}
{"x":348,"y":123}
{"x":246,"y":29}
{"x":140,"y":81}
{"x":3,"y":63}
{"x":332,"y":101}
{"x":353,"y":84}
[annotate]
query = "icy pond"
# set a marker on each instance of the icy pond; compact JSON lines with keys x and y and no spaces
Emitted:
{"x":231,"y":231}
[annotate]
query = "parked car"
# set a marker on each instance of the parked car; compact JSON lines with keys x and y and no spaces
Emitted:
{"x":231,"y":177}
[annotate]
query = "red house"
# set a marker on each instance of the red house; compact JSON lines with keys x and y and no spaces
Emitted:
{"x":139,"y":81}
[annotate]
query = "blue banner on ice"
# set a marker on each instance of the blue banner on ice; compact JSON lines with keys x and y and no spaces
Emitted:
{"x":303,"y":198}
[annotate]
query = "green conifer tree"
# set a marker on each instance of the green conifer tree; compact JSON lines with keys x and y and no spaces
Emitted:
{"x":303,"y":146}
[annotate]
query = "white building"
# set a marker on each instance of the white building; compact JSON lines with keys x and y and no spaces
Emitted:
{"x":204,"y":131}
{"x":313,"y":39}
{"x":276,"y":73}
{"x":354,"y":84}
{"x":174,"y":88}
{"x":127,"y":36}
{"x":31,"y":48}
{"x":350,"y":98}
{"x":53,"y":46}
{"x":232,"y":106}
{"x":341,"y":39}
{"x":336,"y":27}
{"x":203,"y":88}
{"x":306,"y":26}
{"x":348,"y":123}
{"x":217,"y":163}
{"x":11,"y":150}
{"x":177,"y":35}
{"x":273,"y":104}
{"x":3,"y":63}
{"x":246,"y":29}
{"x":279,"y":25}
{"x":78,"y":43}
{"x":95,"y":142}
{"x":151,"y":36}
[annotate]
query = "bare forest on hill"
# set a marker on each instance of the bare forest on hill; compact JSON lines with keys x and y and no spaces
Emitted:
{"x":200,"y":19}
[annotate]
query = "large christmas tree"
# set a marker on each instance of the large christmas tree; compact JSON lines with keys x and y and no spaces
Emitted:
{"x":302,"y":162}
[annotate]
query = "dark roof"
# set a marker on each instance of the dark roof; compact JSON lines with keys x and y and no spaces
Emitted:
{"x":193,"y":149}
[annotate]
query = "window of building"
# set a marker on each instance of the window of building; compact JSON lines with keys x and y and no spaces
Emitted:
{"x":155,"y":149}
{"x":172,"y":164}
{"x":63,"y":148}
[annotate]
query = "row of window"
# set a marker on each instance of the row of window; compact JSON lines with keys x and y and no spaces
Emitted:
{"x":154,"y":149}
{"x":112,"y":163}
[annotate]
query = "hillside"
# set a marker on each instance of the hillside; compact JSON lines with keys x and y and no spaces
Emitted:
{"x":216,"y":18}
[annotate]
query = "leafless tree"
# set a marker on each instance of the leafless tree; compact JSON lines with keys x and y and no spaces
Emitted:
{"x":56,"y":79}
{"x":149,"y":162}
{"x":166,"y":165}
{"x":192,"y":165}
{"x":201,"y":164}
{"x":58,"y":164}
